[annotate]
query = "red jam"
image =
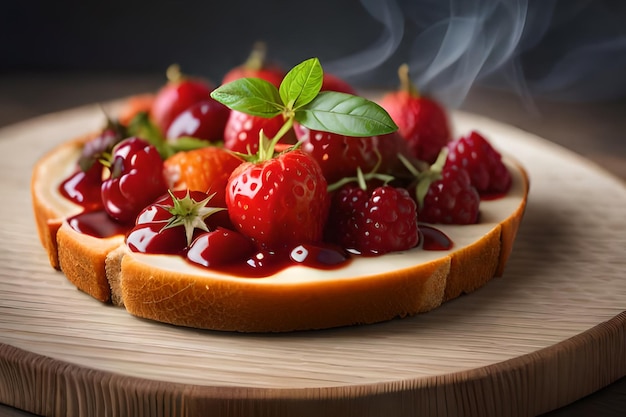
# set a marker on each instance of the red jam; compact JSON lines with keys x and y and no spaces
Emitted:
{"x":97,"y":224}
{"x":434,"y":239}
{"x":260,"y":263}
{"x":83,"y":188}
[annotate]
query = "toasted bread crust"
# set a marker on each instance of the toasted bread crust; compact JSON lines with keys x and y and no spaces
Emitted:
{"x":82,"y":259}
{"x":48,"y":216}
{"x":249,"y":305}
{"x":109,"y":272}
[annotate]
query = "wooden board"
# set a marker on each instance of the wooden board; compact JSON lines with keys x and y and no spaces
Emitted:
{"x":550,"y":331}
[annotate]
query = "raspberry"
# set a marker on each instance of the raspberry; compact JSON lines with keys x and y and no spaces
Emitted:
{"x":373,"y":223}
{"x":452,"y":199}
{"x":481,"y":161}
{"x":342,"y":227}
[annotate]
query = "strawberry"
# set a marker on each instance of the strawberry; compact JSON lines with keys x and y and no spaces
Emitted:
{"x":421,"y":121}
{"x":332,"y":82}
{"x":169,"y":225}
{"x":241,"y":133}
{"x":481,"y":161}
{"x":135,"y":180}
{"x":279,"y":202}
{"x":177,"y":96}
{"x":205,"y":119}
{"x":373,"y":222}
{"x":339,"y":156}
{"x":256,"y":66}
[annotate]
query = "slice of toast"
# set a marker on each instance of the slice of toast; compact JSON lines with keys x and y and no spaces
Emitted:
{"x":367,"y":290}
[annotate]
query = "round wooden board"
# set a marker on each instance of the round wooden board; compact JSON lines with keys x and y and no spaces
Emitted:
{"x":550,"y":331}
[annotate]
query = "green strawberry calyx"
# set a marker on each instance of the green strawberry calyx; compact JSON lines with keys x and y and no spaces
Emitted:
{"x":190,"y":214}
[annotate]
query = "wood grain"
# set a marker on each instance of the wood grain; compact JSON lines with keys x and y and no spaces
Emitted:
{"x":550,"y":331}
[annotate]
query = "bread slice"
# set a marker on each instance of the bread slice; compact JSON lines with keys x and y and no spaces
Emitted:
{"x":367,"y":290}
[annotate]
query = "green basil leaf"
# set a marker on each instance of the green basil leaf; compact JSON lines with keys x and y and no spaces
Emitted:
{"x":250,"y":95}
{"x":345,"y":114}
{"x":302,"y":83}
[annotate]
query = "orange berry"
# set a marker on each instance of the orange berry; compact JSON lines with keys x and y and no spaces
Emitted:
{"x":205,"y":169}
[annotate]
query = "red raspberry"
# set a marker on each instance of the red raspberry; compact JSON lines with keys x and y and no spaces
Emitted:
{"x":341,"y":227}
{"x":374,"y":223}
{"x":452,"y":199}
{"x":481,"y":161}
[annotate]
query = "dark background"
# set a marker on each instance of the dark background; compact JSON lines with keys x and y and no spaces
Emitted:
{"x":562,"y":50}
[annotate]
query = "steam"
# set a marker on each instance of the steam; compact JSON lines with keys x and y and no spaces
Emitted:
{"x":390,"y":16}
{"x":563,"y":50}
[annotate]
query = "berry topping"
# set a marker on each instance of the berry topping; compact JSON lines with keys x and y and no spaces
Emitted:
{"x":241,"y":133}
{"x":220,"y":247}
{"x":280,"y":201}
{"x":421,"y":121}
{"x":206,"y":169}
{"x":135,"y":179}
{"x":168,"y":225}
{"x":373,"y":222}
{"x":451,"y":199}
{"x":445,"y":194}
{"x":205,"y":119}
{"x":339,"y":156}
{"x":334,"y":83}
{"x":176,"y":96}
{"x":256,"y":66}
{"x":482,"y":162}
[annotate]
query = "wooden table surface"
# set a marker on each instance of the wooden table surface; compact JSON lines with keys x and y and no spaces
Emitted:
{"x":594,"y":130}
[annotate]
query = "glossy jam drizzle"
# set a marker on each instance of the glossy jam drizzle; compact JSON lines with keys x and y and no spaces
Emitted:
{"x":98,"y":224}
{"x":234,"y":259}
{"x":82,"y":188}
{"x":434,"y":239}
{"x":260,"y":263}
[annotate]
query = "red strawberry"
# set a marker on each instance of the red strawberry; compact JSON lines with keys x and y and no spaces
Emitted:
{"x":177,"y":96}
{"x":136,"y":179}
{"x":205,"y":119}
{"x":421,"y":121}
{"x":451,"y":199}
{"x":256,"y":66}
{"x":373,"y":222}
{"x":481,"y":161}
{"x":280,"y":202}
{"x":241,"y":133}
{"x":170,"y":223}
{"x":332,"y":82}
{"x":339,"y":156}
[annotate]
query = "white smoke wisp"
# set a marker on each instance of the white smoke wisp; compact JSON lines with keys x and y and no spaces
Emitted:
{"x":475,"y":40}
{"x":390,"y":16}
{"x":573,"y":50}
